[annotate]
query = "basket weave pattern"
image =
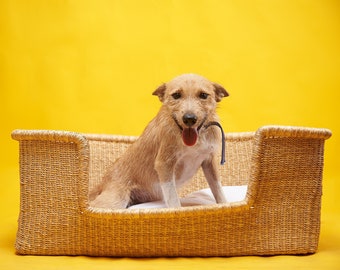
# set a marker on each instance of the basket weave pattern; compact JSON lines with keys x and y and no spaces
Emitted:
{"x":282,"y":167}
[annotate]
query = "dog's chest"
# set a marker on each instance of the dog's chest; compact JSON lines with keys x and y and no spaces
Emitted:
{"x":188,"y":162}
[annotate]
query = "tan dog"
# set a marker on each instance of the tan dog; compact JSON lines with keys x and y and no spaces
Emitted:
{"x":171,"y":149}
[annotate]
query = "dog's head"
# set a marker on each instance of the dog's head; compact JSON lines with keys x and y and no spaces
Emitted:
{"x":191,"y":100}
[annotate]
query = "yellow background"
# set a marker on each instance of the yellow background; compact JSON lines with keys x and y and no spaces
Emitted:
{"x":91,"y":66}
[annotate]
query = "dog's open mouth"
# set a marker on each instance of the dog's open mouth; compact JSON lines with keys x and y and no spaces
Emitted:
{"x":189,"y":136}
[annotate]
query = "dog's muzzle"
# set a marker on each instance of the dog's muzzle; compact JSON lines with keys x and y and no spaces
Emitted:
{"x":190,"y":135}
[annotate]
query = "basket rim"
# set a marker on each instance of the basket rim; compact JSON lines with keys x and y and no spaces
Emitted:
{"x":82,"y":142}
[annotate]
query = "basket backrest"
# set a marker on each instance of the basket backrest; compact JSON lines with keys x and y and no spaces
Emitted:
{"x":104,"y":150}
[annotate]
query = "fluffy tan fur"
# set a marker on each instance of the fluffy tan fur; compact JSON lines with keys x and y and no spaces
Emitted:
{"x":159,"y":162}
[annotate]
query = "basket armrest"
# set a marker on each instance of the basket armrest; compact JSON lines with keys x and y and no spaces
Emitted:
{"x":287,"y":164}
{"x":292,"y":132}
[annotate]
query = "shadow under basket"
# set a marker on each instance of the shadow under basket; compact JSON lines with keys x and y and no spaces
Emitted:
{"x":282,"y":167}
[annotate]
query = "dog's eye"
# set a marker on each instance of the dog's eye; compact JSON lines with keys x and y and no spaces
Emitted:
{"x":203,"y":95}
{"x":176,"y":95}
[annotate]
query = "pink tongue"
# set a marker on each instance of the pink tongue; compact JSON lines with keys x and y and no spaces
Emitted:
{"x":189,"y":136}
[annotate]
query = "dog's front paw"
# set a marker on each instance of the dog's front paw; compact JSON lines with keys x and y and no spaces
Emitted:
{"x":173,"y":203}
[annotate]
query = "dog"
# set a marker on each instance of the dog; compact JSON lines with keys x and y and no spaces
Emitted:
{"x":170,"y":150}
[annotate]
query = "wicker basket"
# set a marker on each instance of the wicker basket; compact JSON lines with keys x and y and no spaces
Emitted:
{"x":282,"y":167}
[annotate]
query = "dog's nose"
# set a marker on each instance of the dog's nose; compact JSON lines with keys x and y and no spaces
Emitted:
{"x":189,"y":119}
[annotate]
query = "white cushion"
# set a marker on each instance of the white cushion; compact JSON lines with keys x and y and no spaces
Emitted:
{"x":201,"y":197}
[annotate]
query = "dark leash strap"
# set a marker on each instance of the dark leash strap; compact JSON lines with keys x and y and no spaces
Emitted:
{"x":223,"y":139}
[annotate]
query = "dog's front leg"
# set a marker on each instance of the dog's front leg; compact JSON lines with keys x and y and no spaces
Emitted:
{"x":210,"y":171}
{"x":170,"y":194}
{"x":164,"y":166}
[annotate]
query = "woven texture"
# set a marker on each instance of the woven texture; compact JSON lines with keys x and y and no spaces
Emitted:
{"x":282,"y":167}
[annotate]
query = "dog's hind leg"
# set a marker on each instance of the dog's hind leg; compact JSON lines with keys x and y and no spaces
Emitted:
{"x":110,"y":199}
{"x":110,"y":195}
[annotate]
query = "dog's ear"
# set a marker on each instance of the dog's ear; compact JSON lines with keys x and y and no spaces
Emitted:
{"x":220,"y":92}
{"x":160,"y":92}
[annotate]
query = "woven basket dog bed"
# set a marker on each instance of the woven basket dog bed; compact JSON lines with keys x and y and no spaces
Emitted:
{"x":282,"y":167}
